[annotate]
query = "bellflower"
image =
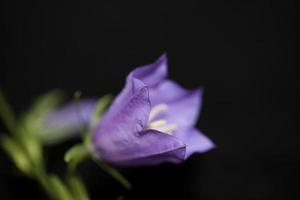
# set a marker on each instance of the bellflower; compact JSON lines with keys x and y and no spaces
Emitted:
{"x":66,"y":121}
{"x":151,"y":121}
{"x":73,"y":116}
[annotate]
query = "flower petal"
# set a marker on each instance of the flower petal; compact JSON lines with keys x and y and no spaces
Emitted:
{"x":166,"y":92}
{"x":66,"y":122}
{"x":69,"y":119}
{"x":151,"y":74}
{"x":132,"y":87}
{"x":149,"y":147}
{"x":123,"y":125}
{"x":195,"y":141}
{"x":147,"y":75}
{"x":183,"y":105}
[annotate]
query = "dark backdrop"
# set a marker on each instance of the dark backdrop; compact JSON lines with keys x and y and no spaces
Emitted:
{"x":242,"y":53}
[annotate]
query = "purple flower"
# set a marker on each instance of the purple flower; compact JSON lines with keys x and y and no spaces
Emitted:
{"x":151,"y":121}
{"x":67,"y":121}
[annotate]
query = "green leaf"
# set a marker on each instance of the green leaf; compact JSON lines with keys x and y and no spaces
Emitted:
{"x":60,"y":190}
{"x":78,"y":189}
{"x":32,"y":120}
{"x":43,"y":105}
{"x":17,"y":154}
{"x":6,"y":114}
{"x":113,"y":173}
{"x":47,"y":101}
{"x":75,"y":155}
{"x":101,"y":105}
{"x":33,"y":147}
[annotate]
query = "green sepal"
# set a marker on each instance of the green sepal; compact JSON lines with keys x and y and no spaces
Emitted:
{"x":101,"y":106}
{"x":75,"y":155}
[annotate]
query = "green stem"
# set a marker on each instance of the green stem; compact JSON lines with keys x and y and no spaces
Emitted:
{"x":42,"y":178}
{"x":114,"y":173}
{"x":73,"y":158}
{"x":78,"y":188}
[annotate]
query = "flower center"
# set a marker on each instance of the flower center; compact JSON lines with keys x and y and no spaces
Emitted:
{"x":160,"y":124}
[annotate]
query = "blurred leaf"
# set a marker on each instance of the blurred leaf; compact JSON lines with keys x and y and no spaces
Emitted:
{"x":33,"y":147}
{"x":60,"y":189}
{"x":43,"y":105}
{"x":7,"y":114}
{"x":32,"y":120}
{"x":75,"y":155}
{"x":78,"y":189}
{"x":101,"y":105}
{"x":87,"y":140}
{"x":17,"y":154}
{"x":77,"y":95}
{"x":114,"y":173}
{"x":47,"y":101}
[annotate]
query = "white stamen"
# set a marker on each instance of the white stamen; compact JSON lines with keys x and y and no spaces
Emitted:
{"x":160,"y":124}
{"x":167,"y":128}
{"x":156,"y":110}
{"x":157,"y":123}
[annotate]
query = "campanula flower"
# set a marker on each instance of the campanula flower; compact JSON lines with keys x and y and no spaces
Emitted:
{"x":151,"y":121}
{"x":72,"y":117}
{"x":67,"y":121}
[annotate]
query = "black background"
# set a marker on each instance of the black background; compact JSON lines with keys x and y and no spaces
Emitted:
{"x":242,"y":53}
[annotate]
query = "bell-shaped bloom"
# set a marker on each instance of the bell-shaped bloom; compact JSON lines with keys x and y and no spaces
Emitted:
{"x":151,"y":121}
{"x":73,"y":117}
{"x":58,"y":124}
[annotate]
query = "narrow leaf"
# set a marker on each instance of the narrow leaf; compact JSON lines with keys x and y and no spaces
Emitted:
{"x":17,"y":154}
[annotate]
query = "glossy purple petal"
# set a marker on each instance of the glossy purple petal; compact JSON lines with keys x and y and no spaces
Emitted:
{"x":130,"y":119}
{"x":123,"y":139}
{"x":167,"y":91}
{"x":183,"y":105}
{"x":196,"y":142}
{"x":153,"y":73}
{"x":148,"y":147}
{"x":123,"y":125}
{"x":132,"y":87}
{"x":147,"y":75}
